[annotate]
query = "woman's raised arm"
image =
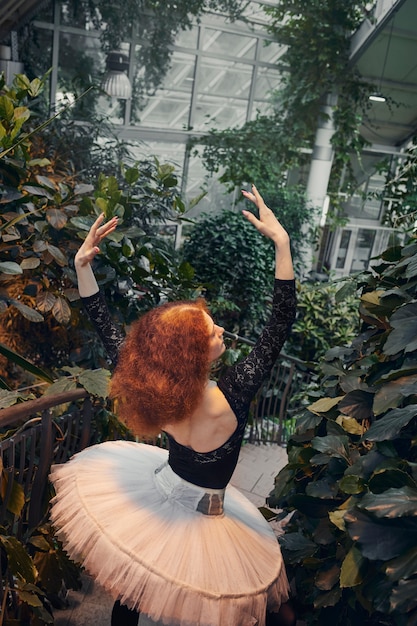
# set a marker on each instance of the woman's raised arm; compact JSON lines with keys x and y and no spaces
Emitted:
{"x":268,"y":225}
{"x":87,"y":284}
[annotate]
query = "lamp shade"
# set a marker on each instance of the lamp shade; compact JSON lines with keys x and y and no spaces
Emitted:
{"x":115,"y":82}
{"x":117,"y":85}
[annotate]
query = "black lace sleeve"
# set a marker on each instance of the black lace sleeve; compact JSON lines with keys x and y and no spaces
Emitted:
{"x":240,"y":382}
{"x":110,"y":334}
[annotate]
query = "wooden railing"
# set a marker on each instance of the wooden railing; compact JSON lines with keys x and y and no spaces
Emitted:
{"x":27,"y":455}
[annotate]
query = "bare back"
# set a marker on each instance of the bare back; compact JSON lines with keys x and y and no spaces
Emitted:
{"x":210,"y":426}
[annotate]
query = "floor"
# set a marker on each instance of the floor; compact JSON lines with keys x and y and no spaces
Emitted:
{"x":254,"y":476}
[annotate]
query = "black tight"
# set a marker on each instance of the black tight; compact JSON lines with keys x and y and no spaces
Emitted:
{"x":122,"y":616}
{"x":284,"y":617}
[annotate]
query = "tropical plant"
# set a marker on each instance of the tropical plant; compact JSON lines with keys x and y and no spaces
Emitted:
{"x":46,"y":210}
{"x":351,"y":481}
{"x":234,"y":264}
{"x":327,"y":316}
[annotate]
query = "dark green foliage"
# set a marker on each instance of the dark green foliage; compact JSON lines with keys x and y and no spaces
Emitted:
{"x":351,"y":480}
{"x":327,"y":316}
{"x":45,"y":212}
{"x":236,"y":266}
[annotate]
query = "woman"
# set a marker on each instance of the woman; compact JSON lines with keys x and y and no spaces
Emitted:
{"x":160,"y":530}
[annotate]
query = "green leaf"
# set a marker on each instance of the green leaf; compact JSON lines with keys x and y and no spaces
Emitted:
{"x":403,"y":335}
{"x":332,"y":445}
{"x":131,"y":175}
{"x":27,"y":312}
{"x":352,"y":567}
{"x":403,"y":566}
{"x":389,"y":426}
{"x":391,"y":503}
{"x":393,"y":393}
{"x":9,"y":267}
{"x":19,"y":561}
{"x":63,"y":384}
{"x":8,"y":398}
{"x":16,"y":500}
{"x":6,"y":108}
{"x":380,"y":539}
{"x":61,"y":311}
{"x":324,"y":404}
{"x":95,"y":382}
{"x":352,"y":484}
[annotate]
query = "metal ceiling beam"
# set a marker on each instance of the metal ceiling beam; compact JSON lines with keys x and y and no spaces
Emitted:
{"x":371,"y":27}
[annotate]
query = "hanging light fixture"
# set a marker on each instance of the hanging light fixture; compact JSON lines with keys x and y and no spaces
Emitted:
{"x":378,"y":96}
{"x":116,"y":82}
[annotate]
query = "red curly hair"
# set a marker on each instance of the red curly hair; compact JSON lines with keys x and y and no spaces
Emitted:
{"x":163,"y":367}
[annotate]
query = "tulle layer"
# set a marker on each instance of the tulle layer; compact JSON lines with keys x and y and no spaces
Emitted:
{"x":139,"y":534}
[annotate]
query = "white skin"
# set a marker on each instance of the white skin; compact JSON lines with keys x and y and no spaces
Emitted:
{"x":213,"y":422}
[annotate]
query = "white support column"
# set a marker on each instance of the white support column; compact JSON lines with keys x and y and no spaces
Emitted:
{"x":319,"y":175}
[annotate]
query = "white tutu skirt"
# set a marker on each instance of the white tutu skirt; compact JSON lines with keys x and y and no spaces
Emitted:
{"x":136,"y":527}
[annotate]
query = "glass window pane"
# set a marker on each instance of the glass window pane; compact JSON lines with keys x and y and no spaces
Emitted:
{"x":181,"y":73}
{"x":363,"y":249}
{"x":212,"y":112}
{"x":81,"y":64}
{"x":343,"y":248}
{"x":228,"y":44}
{"x":266,"y":80}
{"x":40,"y":55}
{"x":217,"y":77}
{"x":216,"y":198}
{"x":270,"y":51}
{"x":187,"y":38}
{"x":166,"y":109}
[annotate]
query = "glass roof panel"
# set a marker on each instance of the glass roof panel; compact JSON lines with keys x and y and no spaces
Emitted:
{"x":166,"y":109}
{"x":214,"y":112}
{"x":270,"y":51}
{"x":219,"y":42}
{"x":187,"y":38}
{"x":266,"y":81}
{"x":181,"y":73}
{"x":223,"y":79}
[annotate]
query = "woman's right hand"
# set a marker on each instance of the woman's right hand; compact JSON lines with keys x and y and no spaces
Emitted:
{"x":90,"y":246}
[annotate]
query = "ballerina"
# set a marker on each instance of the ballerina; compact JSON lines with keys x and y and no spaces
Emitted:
{"x":163,"y":531}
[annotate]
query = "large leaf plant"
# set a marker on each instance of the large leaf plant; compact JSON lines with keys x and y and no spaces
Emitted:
{"x":46,"y":210}
{"x":351,"y":479}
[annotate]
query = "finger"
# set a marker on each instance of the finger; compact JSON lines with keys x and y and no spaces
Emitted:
{"x":259,"y":200}
{"x":251,"y":218}
{"x":249,"y":196}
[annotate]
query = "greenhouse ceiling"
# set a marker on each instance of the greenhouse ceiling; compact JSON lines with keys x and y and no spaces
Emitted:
{"x":384,"y":51}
